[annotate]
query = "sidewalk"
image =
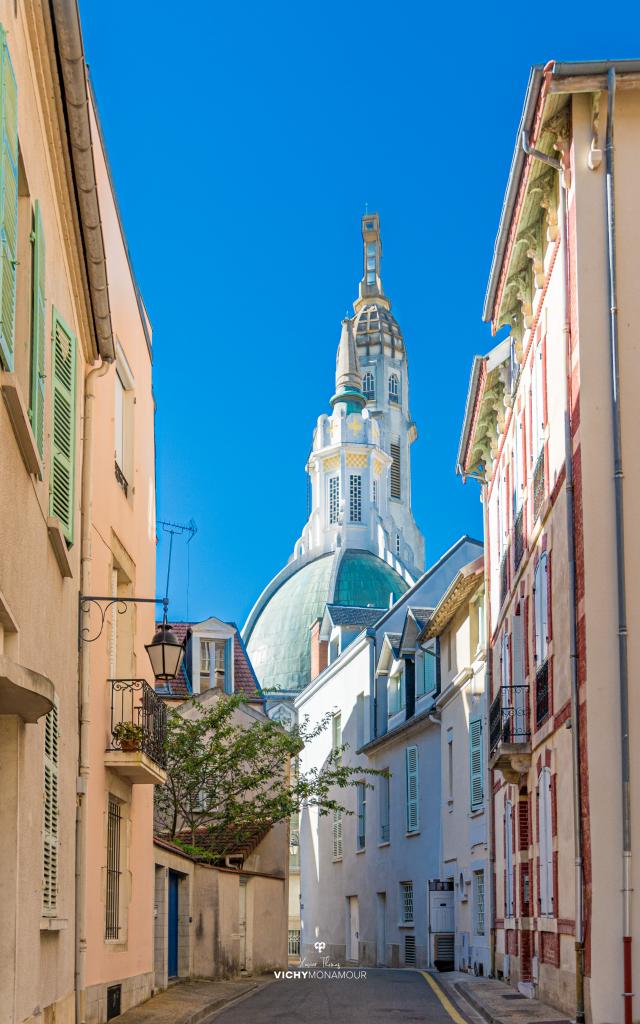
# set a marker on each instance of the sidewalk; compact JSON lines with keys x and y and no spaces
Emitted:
{"x":191,"y":1002}
{"x":497,"y":1002}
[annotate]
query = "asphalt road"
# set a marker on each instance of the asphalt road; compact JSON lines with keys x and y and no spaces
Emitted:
{"x":383,"y":997}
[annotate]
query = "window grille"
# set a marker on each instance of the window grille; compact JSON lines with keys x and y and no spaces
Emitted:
{"x":112,"y":929}
{"x":395,"y":470}
{"x":334,"y":499}
{"x":398,"y":545}
{"x":369,"y":386}
{"x":337,"y":834}
{"x":375,"y":492}
{"x":294,"y":942}
{"x":394,"y":389}
{"x":362,"y":815}
{"x":406,"y":902}
{"x":355,"y":498}
{"x":410,"y":950}
{"x":478,"y":900}
{"x":50,"y":815}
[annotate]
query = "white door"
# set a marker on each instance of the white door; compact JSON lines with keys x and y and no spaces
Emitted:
{"x":381,"y":929}
{"x":354,"y":926}
{"x":442,"y":911}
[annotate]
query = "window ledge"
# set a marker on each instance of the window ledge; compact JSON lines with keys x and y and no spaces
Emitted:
{"x":363,"y":849}
{"x":59,"y":546}
{"x":410,"y":835}
{"x":382,"y":845}
{"x":21,"y":424}
{"x":407,"y":924}
{"x":336,"y":860}
{"x":53,"y":924}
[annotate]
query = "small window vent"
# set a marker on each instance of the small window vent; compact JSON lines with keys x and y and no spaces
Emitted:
{"x":410,"y":950}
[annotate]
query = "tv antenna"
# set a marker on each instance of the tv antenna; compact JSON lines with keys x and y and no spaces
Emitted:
{"x":178,"y":530}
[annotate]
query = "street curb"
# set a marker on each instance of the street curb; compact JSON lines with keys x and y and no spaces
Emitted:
{"x":203,"y":1017}
{"x":474,"y":1004}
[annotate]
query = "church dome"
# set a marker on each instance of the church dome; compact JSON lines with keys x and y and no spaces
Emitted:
{"x":278,"y":638}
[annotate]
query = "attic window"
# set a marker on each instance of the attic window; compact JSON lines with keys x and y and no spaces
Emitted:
{"x":395,"y":470}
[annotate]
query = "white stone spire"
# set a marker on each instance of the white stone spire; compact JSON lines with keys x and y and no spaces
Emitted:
{"x":348,"y":375}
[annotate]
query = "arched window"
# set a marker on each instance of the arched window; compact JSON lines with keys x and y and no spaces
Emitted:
{"x":394,"y":388}
{"x":369,"y":386}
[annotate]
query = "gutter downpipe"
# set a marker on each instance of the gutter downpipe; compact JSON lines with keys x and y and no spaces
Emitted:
{"x":618,"y":478}
{"x":84,"y":679}
{"x":571,"y":559}
{"x":488,"y":677}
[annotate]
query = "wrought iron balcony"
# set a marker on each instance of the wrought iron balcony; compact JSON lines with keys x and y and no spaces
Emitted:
{"x":138,"y":730}
{"x":509,"y":736}
{"x":504,"y":577}
{"x":538,"y":485}
{"x":518,"y":539}
{"x":542,"y":693}
{"x":122,"y":480}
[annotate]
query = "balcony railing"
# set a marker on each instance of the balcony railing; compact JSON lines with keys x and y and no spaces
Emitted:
{"x":134,"y":703}
{"x":508,"y":717}
{"x":542,"y":693}
{"x":504,"y":577}
{"x":518,"y":539}
{"x":122,"y":480}
{"x":538,"y":485}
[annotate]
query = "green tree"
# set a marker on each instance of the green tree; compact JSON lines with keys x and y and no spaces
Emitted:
{"x":228,"y":781}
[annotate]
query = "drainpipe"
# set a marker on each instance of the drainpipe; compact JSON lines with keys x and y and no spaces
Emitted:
{"x":571,"y":560}
{"x":623,"y":667}
{"x":84,"y":675}
{"x":491,"y":840}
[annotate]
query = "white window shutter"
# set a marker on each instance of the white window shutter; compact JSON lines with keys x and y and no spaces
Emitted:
{"x":413,"y":821}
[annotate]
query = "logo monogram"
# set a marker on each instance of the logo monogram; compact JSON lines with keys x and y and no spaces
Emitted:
{"x":320,"y":946}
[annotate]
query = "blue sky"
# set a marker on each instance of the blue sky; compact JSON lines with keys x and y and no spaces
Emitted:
{"x":245,"y":140}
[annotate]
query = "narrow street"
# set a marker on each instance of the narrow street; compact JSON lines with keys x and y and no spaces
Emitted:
{"x":382,"y":997}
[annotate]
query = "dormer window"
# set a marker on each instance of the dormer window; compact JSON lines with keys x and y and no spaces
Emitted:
{"x":394,"y":388}
{"x":215,"y":665}
{"x":369,"y":386}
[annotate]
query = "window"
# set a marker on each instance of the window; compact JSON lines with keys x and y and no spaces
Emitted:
{"x":371,"y":258}
{"x":334,"y":499}
{"x":398,"y":545}
{"x":508,"y":859}
{"x":361,"y":791}
{"x":383,"y":808}
{"x":38,"y":317}
{"x":50,"y":815}
{"x":394,"y":477}
{"x":413,"y":817}
{"x":337,"y":834}
{"x":394,"y":388}
{"x":124,"y":411}
{"x":336,"y":734}
{"x":410,"y":950}
{"x":375,"y":491}
{"x":119,"y":418}
{"x":537,"y":404}
{"x":9,"y":222}
{"x":63,"y":427}
{"x":546,"y":842}
{"x":478,"y":901}
{"x":426,"y":669}
{"x":541,"y":610}
{"x":406,"y":902}
{"x":221,"y":652}
{"x":294,"y":942}
{"x":369,"y":386}
{"x":355,"y":498}
{"x":396,"y":701}
{"x":450,"y":765}
{"x":475,"y":766}
{"x":114,"y":821}
{"x":360,"y":720}
{"x":518,"y":478}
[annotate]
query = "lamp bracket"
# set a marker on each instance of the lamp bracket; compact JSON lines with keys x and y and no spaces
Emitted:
{"x":103,"y":604}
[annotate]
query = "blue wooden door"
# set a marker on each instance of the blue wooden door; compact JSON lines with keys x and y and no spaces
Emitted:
{"x":172,"y":958}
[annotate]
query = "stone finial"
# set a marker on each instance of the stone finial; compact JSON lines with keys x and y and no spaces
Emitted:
{"x":348,"y":376}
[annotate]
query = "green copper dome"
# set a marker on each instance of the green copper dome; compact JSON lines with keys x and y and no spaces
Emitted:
{"x":279,"y":642}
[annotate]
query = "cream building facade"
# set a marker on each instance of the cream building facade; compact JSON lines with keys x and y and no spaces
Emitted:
{"x":550,"y":432}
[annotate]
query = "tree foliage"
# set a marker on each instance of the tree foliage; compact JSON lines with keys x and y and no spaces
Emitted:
{"x":228,"y":781}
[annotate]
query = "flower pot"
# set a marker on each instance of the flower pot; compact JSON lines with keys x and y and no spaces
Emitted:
{"x":129,"y":745}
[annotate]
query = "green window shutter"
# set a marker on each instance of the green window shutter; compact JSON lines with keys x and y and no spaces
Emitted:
{"x":475,"y":757}
{"x":36,"y":409}
{"x":413,"y":818}
{"x":8,"y":202}
{"x":50,"y":814}
{"x":63,"y":443}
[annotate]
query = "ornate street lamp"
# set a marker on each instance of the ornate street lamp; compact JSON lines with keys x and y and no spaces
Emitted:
{"x":165,"y":652}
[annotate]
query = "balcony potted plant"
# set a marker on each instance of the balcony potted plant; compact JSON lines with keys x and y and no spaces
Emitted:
{"x":128,"y":735}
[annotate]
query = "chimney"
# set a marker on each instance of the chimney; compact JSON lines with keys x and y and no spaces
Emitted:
{"x":319,"y":650}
